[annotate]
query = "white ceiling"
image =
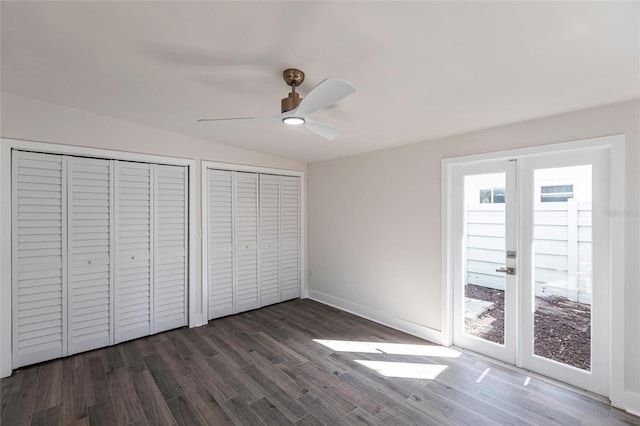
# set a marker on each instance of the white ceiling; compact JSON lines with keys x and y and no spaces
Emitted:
{"x":424,"y":70}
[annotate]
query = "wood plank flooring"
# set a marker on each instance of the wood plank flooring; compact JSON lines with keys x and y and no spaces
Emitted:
{"x":264,"y":367}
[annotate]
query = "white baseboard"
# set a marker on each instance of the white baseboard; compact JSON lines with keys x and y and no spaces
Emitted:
{"x":195,"y":320}
{"x":632,"y":403}
{"x":376,"y":315}
{"x":5,"y":365}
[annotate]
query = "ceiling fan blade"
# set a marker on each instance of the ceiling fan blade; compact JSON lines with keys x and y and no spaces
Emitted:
{"x":202,"y":120}
{"x":321,"y":129}
{"x":326,"y":93}
{"x":268,"y":117}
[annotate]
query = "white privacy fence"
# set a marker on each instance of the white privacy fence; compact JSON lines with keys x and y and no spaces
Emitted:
{"x":562,"y":247}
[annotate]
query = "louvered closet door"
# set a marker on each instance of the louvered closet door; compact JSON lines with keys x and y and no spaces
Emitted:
{"x":133,"y":251}
{"x":89,"y":274}
{"x":170,"y":252}
{"x":269,"y":239}
{"x":39,"y":257}
{"x":246,"y":241}
{"x":220,"y":237}
{"x":290,"y":237}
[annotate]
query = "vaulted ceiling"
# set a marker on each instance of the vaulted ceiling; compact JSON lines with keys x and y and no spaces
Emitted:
{"x":423,"y":70}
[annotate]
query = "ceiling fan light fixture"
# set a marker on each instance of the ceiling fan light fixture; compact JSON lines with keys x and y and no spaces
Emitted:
{"x":293,"y":121}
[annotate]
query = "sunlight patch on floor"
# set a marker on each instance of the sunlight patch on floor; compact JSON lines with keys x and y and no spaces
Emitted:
{"x":389,"y":348}
{"x":404,"y":369}
{"x":482,"y":376}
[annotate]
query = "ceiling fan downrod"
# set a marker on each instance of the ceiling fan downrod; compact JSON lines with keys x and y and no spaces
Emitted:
{"x":294,"y":78}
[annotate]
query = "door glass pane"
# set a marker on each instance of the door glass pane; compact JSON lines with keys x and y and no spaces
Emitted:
{"x":563,"y":264}
{"x":484,"y":252}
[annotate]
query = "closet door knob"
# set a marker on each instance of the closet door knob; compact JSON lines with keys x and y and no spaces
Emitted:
{"x":133,"y":258}
{"x":89,"y":262}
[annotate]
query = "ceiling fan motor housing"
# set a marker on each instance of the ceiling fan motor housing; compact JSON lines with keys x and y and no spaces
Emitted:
{"x":290,"y":102}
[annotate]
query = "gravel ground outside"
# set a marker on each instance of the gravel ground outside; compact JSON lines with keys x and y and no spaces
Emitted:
{"x":562,"y":328}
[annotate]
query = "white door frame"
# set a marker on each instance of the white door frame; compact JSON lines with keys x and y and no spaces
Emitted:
{"x":204,"y":186}
{"x":616,"y":147}
{"x":6,"y":145}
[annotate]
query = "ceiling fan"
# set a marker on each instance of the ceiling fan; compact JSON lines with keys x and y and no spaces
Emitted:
{"x":296,"y":111}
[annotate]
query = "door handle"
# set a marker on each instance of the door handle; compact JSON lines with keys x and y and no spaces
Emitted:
{"x":508,"y":270}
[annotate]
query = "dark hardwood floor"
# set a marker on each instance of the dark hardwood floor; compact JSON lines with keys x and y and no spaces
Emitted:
{"x":264,"y":367}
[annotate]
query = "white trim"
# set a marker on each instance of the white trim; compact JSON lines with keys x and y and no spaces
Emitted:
{"x":631,"y":403}
{"x":378,"y":316}
{"x":604,"y":142}
{"x":446,"y":206}
{"x":5,"y":260}
{"x":617,"y":203}
{"x":259,"y":240}
{"x":250,"y":169}
{"x":107,"y":154}
{"x":6,"y":145}
{"x":112,"y":252}
{"x":195,"y":319}
{"x":204,"y":242}
{"x":616,"y":146}
{"x":204,"y":212}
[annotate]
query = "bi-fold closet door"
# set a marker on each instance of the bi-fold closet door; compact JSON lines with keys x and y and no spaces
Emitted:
{"x":89,"y":282}
{"x":253,"y":240}
{"x":290,"y":255}
{"x":99,"y":253}
{"x":151,"y":247}
{"x":39,"y":257}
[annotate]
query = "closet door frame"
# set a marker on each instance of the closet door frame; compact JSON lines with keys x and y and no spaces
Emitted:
{"x":196,"y":317}
{"x":206,"y":165}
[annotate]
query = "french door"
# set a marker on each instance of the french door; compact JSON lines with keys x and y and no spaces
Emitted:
{"x":531,"y":264}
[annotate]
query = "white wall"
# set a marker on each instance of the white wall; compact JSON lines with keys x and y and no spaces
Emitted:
{"x":34,"y":120}
{"x":374,"y":221}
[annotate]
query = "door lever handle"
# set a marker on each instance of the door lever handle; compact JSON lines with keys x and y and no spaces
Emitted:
{"x":508,"y":270}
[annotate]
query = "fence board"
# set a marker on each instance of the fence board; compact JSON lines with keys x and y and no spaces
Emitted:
{"x":554,"y":256}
